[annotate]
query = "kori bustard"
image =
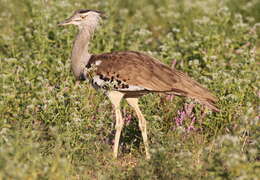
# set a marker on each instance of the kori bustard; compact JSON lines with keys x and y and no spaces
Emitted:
{"x":127,"y":74}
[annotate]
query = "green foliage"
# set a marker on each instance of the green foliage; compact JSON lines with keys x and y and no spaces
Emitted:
{"x":53,"y":128}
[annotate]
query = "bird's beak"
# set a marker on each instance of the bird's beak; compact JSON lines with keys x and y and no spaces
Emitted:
{"x":66,"y":22}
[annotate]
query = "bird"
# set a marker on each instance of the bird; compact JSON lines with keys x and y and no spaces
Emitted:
{"x":127,"y":74}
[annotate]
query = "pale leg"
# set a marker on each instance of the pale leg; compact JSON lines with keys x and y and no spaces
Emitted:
{"x":142,"y":123}
{"x":115,"y":98}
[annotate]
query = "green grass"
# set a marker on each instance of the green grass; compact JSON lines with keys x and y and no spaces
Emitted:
{"x":51,"y":128}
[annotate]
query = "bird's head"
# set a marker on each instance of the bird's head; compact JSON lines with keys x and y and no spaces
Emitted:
{"x":83,"y":18}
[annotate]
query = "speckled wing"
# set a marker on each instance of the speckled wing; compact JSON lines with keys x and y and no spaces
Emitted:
{"x":134,"y":69}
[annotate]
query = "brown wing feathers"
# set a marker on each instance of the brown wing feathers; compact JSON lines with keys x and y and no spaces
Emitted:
{"x":134,"y":68}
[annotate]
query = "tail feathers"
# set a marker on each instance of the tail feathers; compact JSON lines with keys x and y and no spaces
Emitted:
{"x":209,"y":100}
{"x":210,"y":104}
{"x":193,"y":89}
{"x":203,"y":96}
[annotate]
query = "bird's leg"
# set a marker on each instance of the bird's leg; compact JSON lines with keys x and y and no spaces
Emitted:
{"x":115,"y":98}
{"x":142,"y":123}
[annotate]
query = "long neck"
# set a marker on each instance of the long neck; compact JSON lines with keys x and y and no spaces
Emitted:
{"x":80,"y":55}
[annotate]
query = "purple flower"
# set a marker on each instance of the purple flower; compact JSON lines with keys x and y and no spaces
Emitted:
{"x":186,"y":114}
{"x":191,"y":126}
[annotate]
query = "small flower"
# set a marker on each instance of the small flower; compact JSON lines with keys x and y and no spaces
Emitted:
{"x":185,"y":114}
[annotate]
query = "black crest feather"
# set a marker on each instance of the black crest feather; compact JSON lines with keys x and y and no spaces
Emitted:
{"x":89,"y":10}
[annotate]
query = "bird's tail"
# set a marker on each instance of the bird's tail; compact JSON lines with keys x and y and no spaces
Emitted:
{"x":203,"y":96}
{"x":195,"y":91}
{"x":210,"y":103}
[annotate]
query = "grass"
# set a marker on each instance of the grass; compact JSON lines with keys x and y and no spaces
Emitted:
{"x":51,"y":128}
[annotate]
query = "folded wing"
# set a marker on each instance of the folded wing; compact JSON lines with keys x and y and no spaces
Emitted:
{"x":136,"y":71}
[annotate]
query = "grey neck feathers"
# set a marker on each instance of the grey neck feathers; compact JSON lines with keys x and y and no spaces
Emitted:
{"x":80,"y":55}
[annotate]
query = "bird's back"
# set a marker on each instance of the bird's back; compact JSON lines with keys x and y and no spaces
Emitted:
{"x":131,"y":71}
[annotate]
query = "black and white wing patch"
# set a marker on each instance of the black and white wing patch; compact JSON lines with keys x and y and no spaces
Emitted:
{"x":100,"y":81}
